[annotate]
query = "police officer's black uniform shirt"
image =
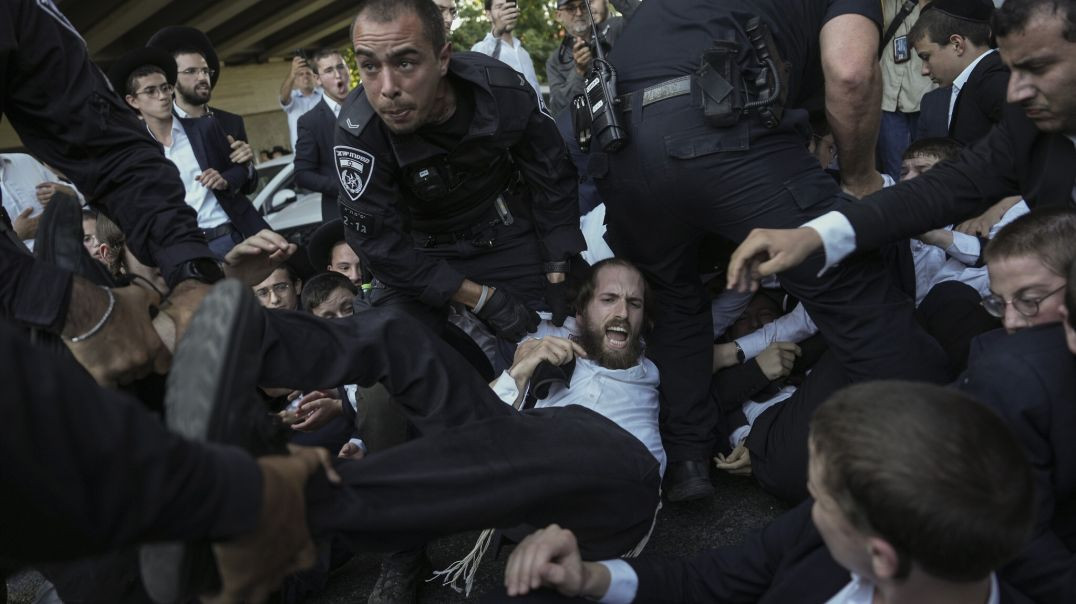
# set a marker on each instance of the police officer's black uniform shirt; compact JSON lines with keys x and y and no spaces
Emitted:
{"x":380,"y":210}
{"x":665,"y":39}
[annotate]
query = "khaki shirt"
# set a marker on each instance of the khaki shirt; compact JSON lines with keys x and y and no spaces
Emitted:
{"x":903,"y":85}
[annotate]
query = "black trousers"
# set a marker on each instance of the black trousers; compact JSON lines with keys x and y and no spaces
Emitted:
{"x":680,"y":179}
{"x":953,"y":313}
{"x":87,"y":470}
{"x":778,"y":438}
{"x":479,"y":464}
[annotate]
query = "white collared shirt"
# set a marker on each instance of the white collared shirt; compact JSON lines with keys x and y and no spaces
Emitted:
{"x":627,"y":397}
{"x":19,"y":176}
{"x":861,"y":591}
{"x":332,"y":105}
{"x":295,"y":109}
{"x":959,"y":82}
{"x":201,"y":198}
{"x":624,"y":584}
{"x":515,"y":56}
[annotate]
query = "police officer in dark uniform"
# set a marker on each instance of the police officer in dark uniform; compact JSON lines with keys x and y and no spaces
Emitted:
{"x":713,"y":98}
{"x":455,"y":185}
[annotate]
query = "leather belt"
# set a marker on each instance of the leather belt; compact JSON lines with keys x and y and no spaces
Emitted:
{"x":658,"y":92}
{"x":477,"y":234}
{"x":219,"y":231}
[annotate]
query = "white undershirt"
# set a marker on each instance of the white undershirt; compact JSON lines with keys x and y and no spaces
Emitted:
{"x":627,"y":397}
{"x":959,"y":82}
{"x":198,"y":196}
{"x":332,"y":105}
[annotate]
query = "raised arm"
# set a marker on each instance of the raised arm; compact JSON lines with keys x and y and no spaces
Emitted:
{"x":853,"y":97}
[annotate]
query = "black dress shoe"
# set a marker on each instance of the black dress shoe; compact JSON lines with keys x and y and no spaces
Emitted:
{"x":688,"y":480}
{"x":59,"y":241}
{"x":211,"y":398}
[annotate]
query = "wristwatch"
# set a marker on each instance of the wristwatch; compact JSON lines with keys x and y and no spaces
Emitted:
{"x":205,"y":270}
{"x":561,"y":266}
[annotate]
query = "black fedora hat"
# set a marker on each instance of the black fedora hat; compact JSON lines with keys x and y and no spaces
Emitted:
{"x":183,"y":37}
{"x":320,"y":248}
{"x":122,"y":68}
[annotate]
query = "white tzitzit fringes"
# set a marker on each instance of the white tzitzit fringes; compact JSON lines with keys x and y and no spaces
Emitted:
{"x":638,"y":549}
{"x":466,"y":568}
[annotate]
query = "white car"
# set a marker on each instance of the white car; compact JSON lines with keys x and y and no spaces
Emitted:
{"x":287,"y":208}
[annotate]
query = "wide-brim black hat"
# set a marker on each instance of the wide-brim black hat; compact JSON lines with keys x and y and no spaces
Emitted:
{"x":978,"y":11}
{"x":320,"y":248}
{"x":182,"y":37}
{"x":122,"y":68}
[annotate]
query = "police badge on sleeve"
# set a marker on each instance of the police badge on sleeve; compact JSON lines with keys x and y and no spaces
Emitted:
{"x":354,"y":167}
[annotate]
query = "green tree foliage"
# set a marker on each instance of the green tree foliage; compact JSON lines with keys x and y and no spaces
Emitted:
{"x":537,"y":30}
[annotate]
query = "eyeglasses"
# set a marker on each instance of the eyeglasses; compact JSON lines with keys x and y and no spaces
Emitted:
{"x":190,"y":71}
{"x":278,"y":288}
{"x":1029,"y":307}
{"x":156,"y":91}
{"x":339,"y":67}
{"x":578,"y":7}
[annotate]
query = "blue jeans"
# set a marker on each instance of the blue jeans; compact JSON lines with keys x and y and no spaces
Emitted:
{"x":894,"y":136}
{"x":223,"y":244}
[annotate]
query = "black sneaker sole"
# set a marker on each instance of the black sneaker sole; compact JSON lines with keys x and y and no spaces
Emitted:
{"x":203,"y":403}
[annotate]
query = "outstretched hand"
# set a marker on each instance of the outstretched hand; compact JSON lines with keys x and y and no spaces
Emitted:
{"x":255,"y":258}
{"x":769,"y":251}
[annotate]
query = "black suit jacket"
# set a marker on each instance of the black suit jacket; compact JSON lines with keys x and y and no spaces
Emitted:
{"x":1014,"y":158}
{"x":934,"y":114}
{"x":315,"y":168}
{"x":785,"y":562}
{"x":981,"y":101}
{"x":231,"y":123}
{"x":1029,"y":378}
{"x":211,"y":149}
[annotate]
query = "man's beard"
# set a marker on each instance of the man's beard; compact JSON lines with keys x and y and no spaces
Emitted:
{"x":592,"y":339}
{"x":191,"y":96}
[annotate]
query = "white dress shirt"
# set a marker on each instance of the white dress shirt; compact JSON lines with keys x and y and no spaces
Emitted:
{"x":627,"y":397}
{"x":624,"y":584}
{"x":514,"y":55}
{"x":201,"y":198}
{"x":295,"y":109}
{"x":592,"y":224}
{"x":861,"y":591}
{"x":333,"y":105}
{"x":753,"y":409}
{"x":795,"y":326}
{"x":964,"y":254}
{"x":19,"y":176}
{"x":959,"y":82}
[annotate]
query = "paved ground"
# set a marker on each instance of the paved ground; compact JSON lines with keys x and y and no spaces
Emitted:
{"x":737,"y":508}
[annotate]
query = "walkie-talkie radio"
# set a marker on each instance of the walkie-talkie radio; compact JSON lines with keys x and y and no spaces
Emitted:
{"x":601,"y":121}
